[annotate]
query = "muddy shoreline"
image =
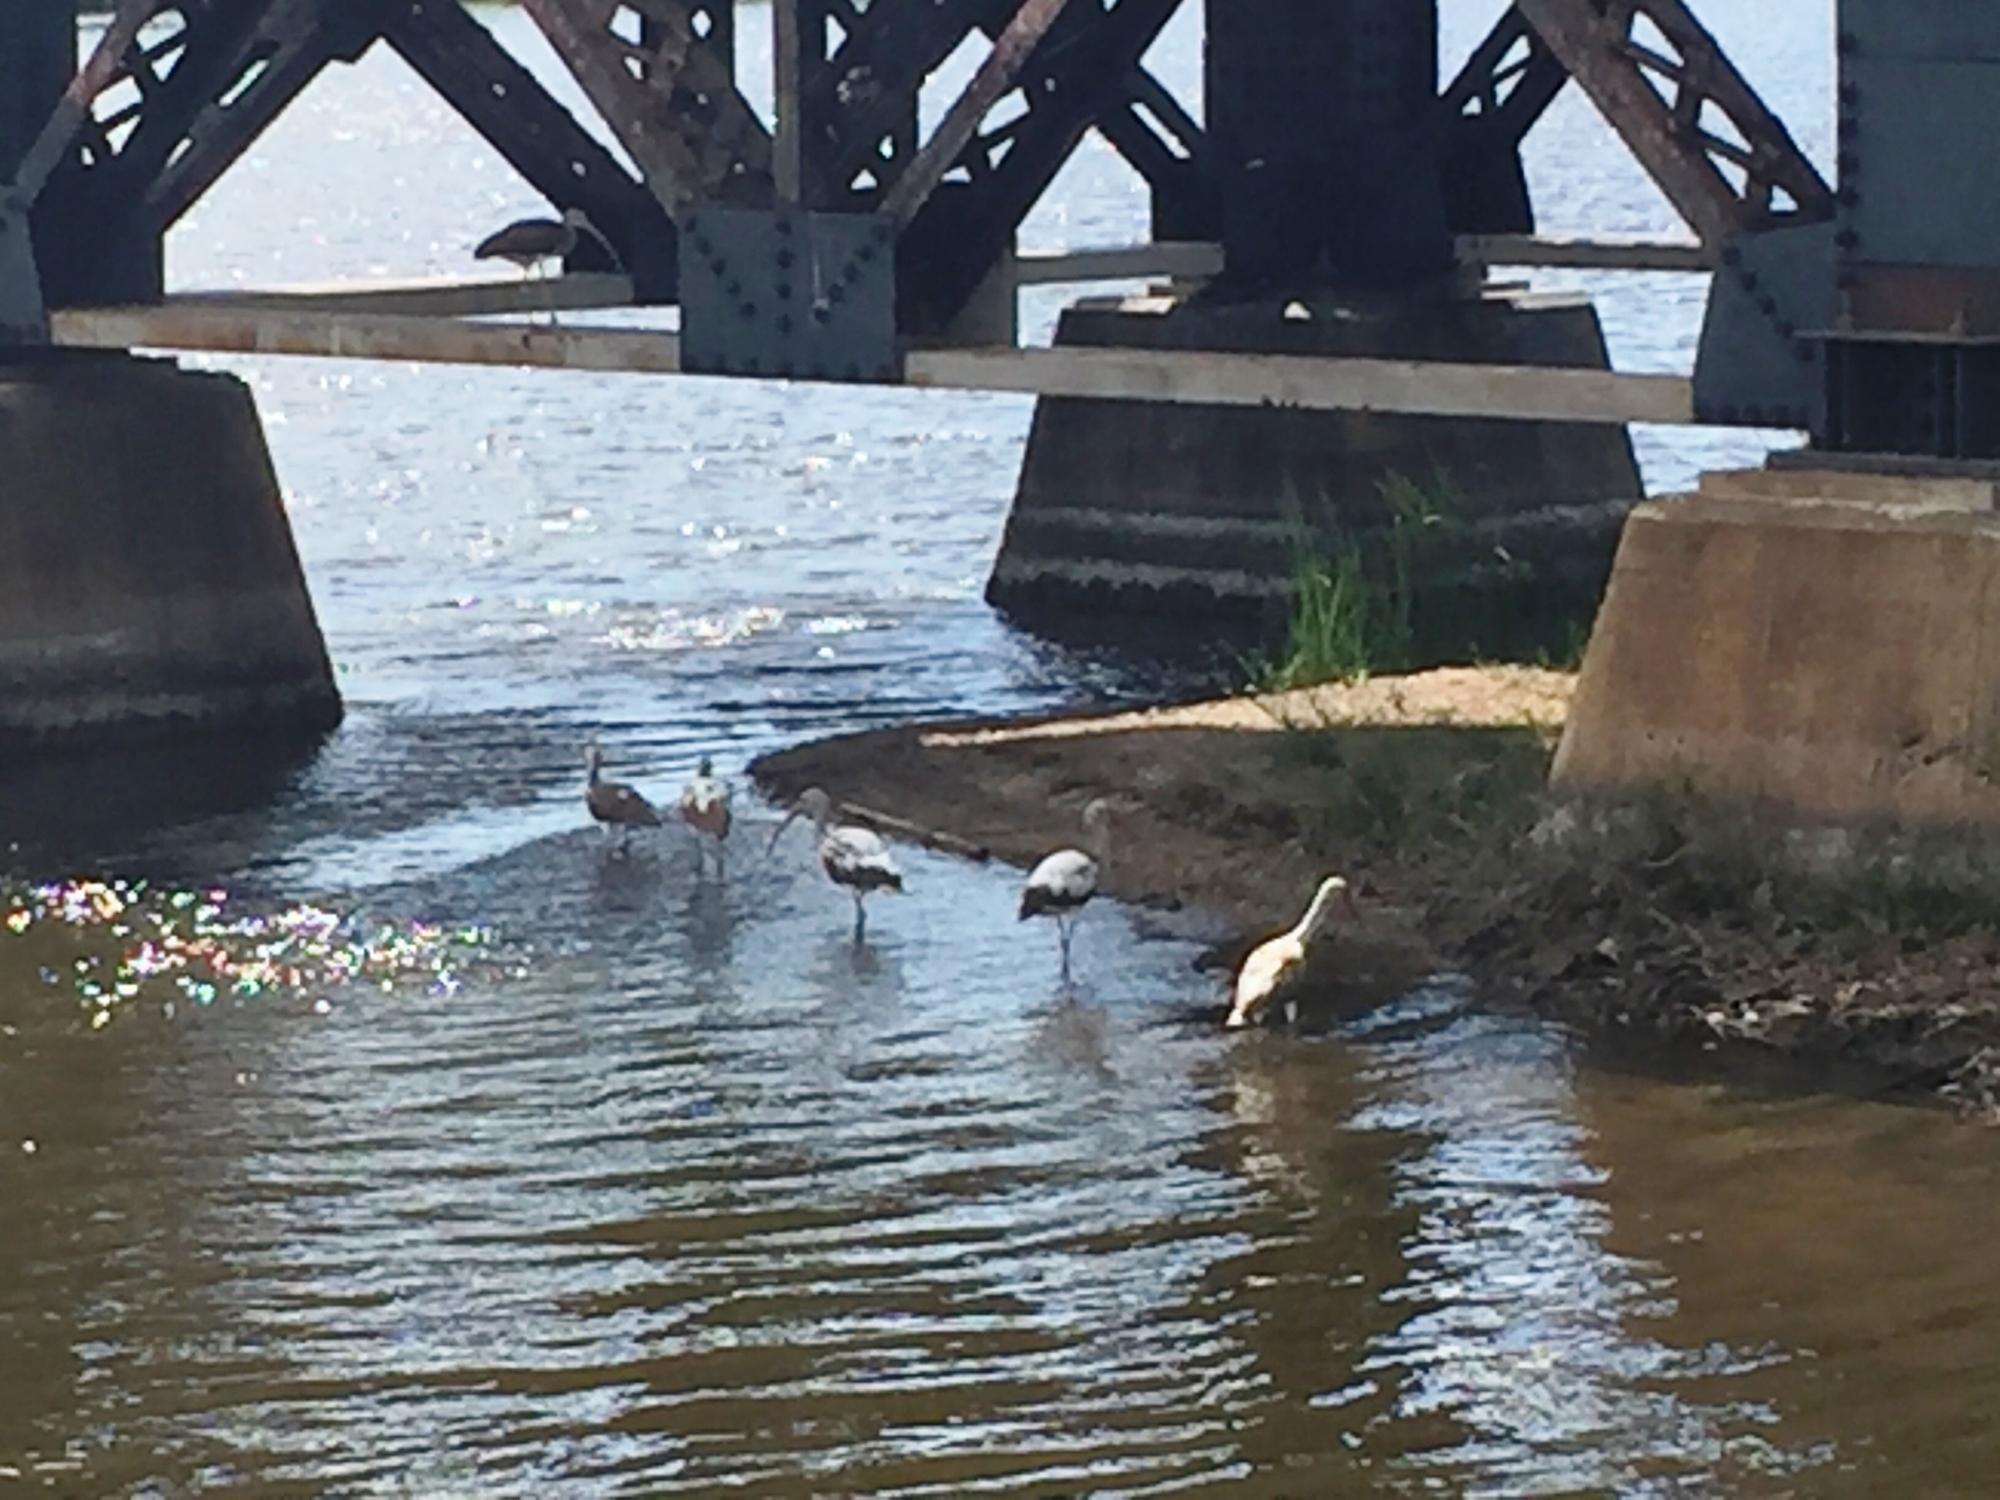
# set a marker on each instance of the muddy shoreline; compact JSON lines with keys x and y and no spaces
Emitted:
{"x":1670,"y":931}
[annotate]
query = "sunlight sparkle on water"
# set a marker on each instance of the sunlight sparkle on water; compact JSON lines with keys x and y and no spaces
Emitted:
{"x":116,"y":943}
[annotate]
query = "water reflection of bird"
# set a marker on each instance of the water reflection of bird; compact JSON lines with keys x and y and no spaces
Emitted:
{"x":855,"y":859}
{"x":613,"y":803}
{"x":704,"y":807}
{"x":1062,"y":884}
{"x":1271,"y":970}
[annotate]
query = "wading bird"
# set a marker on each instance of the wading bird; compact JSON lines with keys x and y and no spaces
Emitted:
{"x":613,"y":803}
{"x":855,"y":859}
{"x":1062,"y":885}
{"x":531,"y":244}
{"x":1271,"y":970}
{"x":705,"y":808}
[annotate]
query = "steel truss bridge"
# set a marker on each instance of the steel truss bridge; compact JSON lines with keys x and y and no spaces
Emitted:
{"x":842,"y":241}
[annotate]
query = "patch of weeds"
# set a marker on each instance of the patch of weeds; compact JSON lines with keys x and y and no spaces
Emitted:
{"x":1566,"y":654}
{"x":1413,"y":794}
{"x":1354,"y":604}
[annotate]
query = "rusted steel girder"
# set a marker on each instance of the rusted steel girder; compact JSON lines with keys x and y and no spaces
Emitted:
{"x":1656,"y":99}
{"x":248,"y":73}
{"x":190,"y":112}
{"x":858,"y":111}
{"x":667,"y":95}
{"x":506,"y":104}
{"x":111,"y":59}
{"x":1506,"y":85}
{"x":995,"y":77}
{"x":1071,"y":79}
{"x":1164,"y":144}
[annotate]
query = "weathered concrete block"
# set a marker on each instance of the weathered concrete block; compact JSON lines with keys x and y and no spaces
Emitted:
{"x":148,"y":582}
{"x":1163,"y":514}
{"x":1821,"y":655}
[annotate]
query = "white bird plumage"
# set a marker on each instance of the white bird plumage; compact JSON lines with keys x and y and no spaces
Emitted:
{"x":1271,"y":969}
{"x":613,"y":803}
{"x":1063,"y":883}
{"x":704,"y":807}
{"x":855,"y":859}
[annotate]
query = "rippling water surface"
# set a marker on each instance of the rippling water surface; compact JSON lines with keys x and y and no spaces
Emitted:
{"x":367,"y":1127}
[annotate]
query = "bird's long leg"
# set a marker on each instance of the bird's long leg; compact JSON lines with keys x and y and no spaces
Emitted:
{"x":1062,"y":935}
{"x":860,"y":917}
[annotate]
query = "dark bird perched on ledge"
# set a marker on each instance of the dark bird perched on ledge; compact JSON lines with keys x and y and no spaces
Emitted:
{"x":532,"y":243}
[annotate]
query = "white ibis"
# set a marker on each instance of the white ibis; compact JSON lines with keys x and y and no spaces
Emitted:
{"x":855,"y":859}
{"x":1271,"y":970}
{"x":531,"y":244}
{"x":1062,"y":884}
{"x":613,"y":803}
{"x":704,"y":807}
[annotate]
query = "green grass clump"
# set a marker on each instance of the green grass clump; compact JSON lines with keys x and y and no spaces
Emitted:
{"x":1353,"y":608}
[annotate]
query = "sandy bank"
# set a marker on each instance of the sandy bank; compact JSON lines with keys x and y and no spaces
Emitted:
{"x":1691,"y":928}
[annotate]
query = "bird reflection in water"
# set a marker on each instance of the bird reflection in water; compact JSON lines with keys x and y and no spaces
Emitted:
{"x":707,"y":923}
{"x":1072,"y":1035}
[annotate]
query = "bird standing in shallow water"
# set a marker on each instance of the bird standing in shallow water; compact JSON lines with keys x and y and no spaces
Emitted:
{"x":613,"y":803}
{"x":1062,"y":884}
{"x":855,"y":859}
{"x":1271,"y":969}
{"x":704,"y":807}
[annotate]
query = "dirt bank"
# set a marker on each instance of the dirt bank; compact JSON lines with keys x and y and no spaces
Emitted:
{"x":1688,"y":926}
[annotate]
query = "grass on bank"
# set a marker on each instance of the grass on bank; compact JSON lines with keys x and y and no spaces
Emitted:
{"x":1363,"y":605}
{"x":1665,"y":915}
{"x":1353,"y":607}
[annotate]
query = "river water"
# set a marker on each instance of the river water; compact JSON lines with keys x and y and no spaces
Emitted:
{"x":368,"y":1127}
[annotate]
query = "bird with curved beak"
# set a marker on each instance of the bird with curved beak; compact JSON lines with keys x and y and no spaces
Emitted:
{"x":1270,"y":972}
{"x":855,"y":859}
{"x":612,"y":803}
{"x":531,"y":244}
{"x":1063,"y":883}
{"x":704,"y":807}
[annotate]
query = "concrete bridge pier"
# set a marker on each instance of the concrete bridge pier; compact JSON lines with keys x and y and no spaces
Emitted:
{"x":1822,"y":636}
{"x":149,"y":587}
{"x":1342,"y":179}
{"x":1149,"y":520}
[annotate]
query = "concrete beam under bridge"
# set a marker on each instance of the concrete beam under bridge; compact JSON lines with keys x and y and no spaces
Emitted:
{"x":1432,"y":388}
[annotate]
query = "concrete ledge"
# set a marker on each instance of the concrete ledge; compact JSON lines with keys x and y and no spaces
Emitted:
{"x":1829,"y":658}
{"x":149,"y":587}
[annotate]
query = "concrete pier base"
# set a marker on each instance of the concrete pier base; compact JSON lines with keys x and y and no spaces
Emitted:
{"x":1825,"y":644}
{"x":149,"y":587}
{"x":1140,"y":518}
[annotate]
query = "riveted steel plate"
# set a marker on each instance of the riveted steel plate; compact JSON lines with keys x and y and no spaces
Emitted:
{"x":1958,"y":30}
{"x":1920,"y":183}
{"x":1755,"y":365}
{"x":788,"y":292}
